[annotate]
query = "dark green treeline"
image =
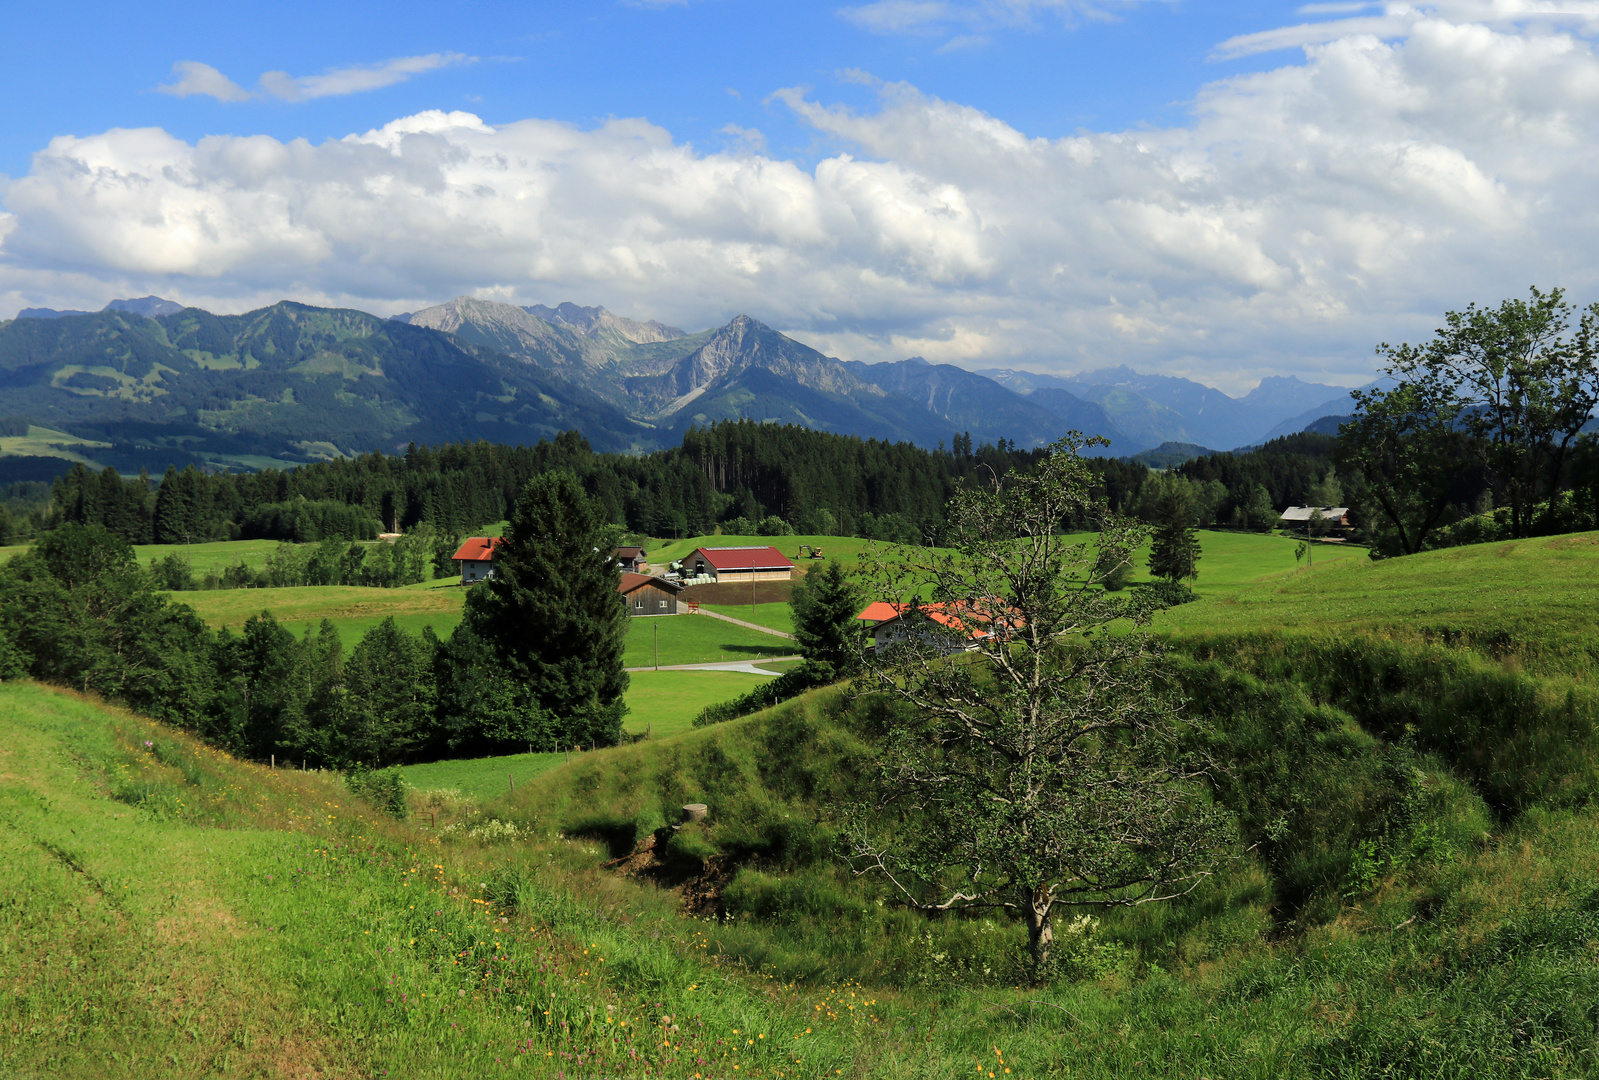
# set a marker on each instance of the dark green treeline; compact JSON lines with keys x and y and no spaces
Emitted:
{"x":743,"y":476}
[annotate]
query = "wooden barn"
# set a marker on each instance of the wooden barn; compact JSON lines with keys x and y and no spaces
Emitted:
{"x":738,"y":564}
{"x":632,"y":559}
{"x":646,"y":595}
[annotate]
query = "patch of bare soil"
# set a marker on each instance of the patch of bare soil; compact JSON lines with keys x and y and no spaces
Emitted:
{"x":766,"y":592}
{"x":698,"y":882}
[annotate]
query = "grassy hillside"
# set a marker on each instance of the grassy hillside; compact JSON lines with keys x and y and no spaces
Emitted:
{"x":47,"y":442}
{"x":1536,"y":597}
{"x":1462,"y":953}
{"x":1414,"y":894}
{"x":171,"y":912}
{"x":1411,"y":749}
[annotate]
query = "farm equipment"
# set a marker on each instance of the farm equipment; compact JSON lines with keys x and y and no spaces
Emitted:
{"x":808,"y":552}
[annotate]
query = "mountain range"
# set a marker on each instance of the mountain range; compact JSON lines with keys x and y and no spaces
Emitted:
{"x":293,"y":382}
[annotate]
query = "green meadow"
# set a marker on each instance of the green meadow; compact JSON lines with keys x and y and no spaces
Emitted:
{"x":212,"y":557}
{"x":659,"y":704}
{"x":775,"y":616}
{"x":1411,"y":748}
{"x":695,"y":639}
{"x":1537,"y":597}
{"x":352,"y":608}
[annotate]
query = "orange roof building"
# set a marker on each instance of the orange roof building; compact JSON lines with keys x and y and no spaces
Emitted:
{"x":476,"y":556}
{"x":887,"y":622}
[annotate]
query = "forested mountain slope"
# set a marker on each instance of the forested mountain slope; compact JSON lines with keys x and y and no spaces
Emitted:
{"x":287,"y":382}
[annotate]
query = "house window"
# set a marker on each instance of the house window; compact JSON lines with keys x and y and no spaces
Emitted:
{"x":661,"y":604}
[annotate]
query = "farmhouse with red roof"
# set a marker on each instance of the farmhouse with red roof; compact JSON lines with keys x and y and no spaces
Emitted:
{"x":476,"y":557}
{"x":969,"y":624}
{"x":738,"y":564}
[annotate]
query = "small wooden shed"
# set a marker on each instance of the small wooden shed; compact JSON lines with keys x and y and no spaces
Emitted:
{"x":647,"y":595}
{"x":632,"y":559}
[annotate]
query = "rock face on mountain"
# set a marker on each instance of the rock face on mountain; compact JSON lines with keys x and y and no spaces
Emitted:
{"x":508,"y":329}
{"x":590,"y":346}
{"x":747,"y":370}
{"x":596,"y":322}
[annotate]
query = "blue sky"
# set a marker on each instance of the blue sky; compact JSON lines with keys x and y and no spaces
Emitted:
{"x":1219,"y":190}
{"x":83,"y":68}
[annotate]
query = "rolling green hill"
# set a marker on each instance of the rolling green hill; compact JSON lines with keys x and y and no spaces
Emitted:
{"x":1532,"y":598}
{"x":1410,"y":747}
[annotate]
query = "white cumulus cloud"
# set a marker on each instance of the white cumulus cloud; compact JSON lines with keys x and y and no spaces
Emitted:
{"x":1304,"y":214}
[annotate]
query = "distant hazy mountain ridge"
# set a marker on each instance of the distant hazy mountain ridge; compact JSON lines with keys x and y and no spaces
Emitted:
{"x":293,"y":382}
{"x":1154,"y":409}
{"x":148,"y":306}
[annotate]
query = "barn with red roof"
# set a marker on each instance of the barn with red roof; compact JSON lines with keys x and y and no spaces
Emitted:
{"x":738,"y":564}
{"x":476,"y":556}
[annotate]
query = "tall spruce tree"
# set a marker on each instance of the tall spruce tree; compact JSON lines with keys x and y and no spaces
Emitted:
{"x":553,"y":617}
{"x":1174,"y":546}
{"x":825,"y":603}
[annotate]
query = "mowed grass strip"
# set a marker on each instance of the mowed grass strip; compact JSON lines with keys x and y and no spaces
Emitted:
{"x":695,"y":639}
{"x":777,"y":616}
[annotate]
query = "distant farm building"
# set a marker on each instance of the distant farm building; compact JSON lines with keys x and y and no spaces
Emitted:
{"x":476,"y":557}
{"x":646,"y":595}
{"x":632,"y":559}
{"x":724,"y":564}
{"x":955,"y":627}
{"x":1333,"y":519}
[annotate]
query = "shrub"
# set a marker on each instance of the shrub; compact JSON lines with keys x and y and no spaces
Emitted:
{"x":172,"y":572}
{"x":383,"y":788}
{"x":1170,"y":593}
{"x":791,"y":683}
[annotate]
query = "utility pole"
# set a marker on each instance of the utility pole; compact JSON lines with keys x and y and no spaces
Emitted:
{"x":657,"y":626}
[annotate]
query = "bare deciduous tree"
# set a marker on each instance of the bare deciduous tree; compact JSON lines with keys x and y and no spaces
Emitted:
{"x":1032,"y":754}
